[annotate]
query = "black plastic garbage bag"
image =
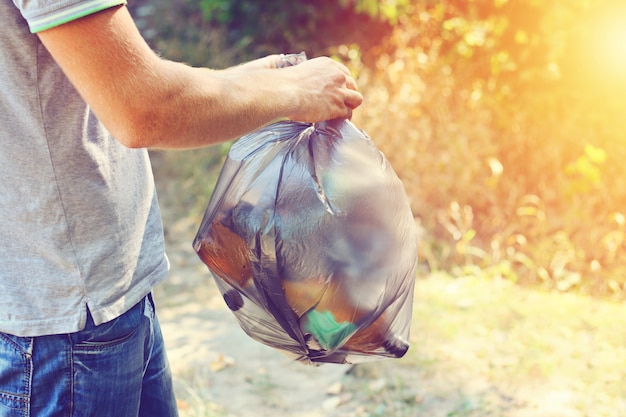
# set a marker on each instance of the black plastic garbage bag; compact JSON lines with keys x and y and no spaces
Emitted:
{"x":312,"y":242}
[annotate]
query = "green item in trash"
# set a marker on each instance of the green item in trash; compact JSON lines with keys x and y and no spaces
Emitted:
{"x":323,"y":326}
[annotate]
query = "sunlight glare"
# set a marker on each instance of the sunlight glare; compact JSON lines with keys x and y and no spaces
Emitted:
{"x":608,"y":43}
{"x":613,"y":46}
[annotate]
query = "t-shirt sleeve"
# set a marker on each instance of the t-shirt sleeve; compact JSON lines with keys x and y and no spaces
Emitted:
{"x":46,"y":14}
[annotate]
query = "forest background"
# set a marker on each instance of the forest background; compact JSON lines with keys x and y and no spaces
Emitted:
{"x":503,"y":118}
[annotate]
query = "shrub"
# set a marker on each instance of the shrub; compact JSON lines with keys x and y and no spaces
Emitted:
{"x":503,"y":118}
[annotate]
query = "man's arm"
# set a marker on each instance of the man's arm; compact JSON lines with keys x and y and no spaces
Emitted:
{"x":147,"y":101}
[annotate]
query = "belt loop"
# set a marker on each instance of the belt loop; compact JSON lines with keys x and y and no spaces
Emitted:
{"x":148,"y":309}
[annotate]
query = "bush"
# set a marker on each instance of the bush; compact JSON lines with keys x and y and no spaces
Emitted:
{"x":503,"y":118}
{"x":512,"y":155}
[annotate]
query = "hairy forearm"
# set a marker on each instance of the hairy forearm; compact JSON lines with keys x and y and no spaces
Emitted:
{"x":193,"y":107}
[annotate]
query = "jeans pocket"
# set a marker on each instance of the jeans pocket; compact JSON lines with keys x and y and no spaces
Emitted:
{"x":15,"y":375}
{"x":110,"y":334}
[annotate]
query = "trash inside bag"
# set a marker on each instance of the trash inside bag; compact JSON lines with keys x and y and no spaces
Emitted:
{"x":312,"y":243}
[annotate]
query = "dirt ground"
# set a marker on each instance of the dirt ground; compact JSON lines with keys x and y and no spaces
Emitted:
{"x":479,"y":348}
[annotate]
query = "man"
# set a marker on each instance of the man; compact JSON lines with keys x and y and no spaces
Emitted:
{"x":81,"y":98}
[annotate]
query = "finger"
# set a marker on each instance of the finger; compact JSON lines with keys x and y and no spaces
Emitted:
{"x":351,"y":83}
{"x":353,"y":99}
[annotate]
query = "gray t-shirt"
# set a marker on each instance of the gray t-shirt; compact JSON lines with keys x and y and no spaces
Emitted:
{"x":79,"y":220}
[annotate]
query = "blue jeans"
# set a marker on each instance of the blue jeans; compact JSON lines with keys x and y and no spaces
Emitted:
{"x":117,"y":369}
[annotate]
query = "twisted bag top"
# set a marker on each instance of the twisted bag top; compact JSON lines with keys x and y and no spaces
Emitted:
{"x":312,"y":242}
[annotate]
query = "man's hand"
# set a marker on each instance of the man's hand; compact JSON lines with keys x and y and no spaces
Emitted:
{"x":326,"y":89}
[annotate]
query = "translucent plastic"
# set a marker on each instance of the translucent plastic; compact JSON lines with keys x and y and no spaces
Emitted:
{"x":312,"y":242}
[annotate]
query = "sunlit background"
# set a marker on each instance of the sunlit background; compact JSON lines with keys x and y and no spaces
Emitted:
{"x":506,"y":121}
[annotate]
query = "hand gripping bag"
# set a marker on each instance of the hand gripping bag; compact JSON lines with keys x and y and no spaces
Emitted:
{"x":312,"y":243}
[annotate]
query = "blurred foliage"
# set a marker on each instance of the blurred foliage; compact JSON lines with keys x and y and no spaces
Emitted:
{"x":219,"y":33}
{"x":504,"y":118}
{"x":259,"y":28}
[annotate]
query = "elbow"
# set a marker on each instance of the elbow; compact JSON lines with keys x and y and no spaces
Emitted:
{"x":136,"y":141}
{"x":132,"y":141}
{"x":140,"y":129}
